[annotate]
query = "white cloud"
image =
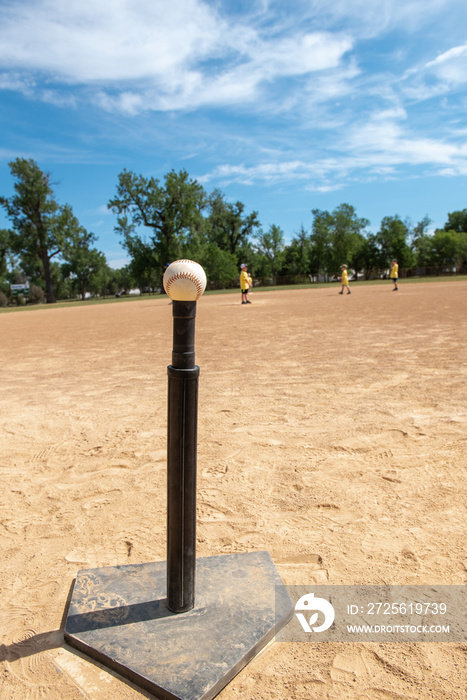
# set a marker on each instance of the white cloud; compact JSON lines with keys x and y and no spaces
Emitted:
{"x":318,"y":174}
{"x":17,"y":83}
{"x":83,"y":42}
{"x":300,"y":54}
{"x":110,"y":40}
{"x":369,"y":18}
{"x":132,"y":56}
{"x":437,"y":77}
{"x":304,"y":61}
{"x":58,"y":99}
{"x":450,"y":66}
{"x":150,"y":54}
{"x":380,"y":146}
{"x":383,"y":140}
{"x":325,"y":188}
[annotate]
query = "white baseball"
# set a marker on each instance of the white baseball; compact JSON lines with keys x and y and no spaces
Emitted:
{"x":184,"y":280}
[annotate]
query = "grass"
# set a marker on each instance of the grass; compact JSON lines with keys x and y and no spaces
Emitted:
{"x":272,"y":288}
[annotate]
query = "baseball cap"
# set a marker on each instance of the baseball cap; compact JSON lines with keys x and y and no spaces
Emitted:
{"x":243,"y":265}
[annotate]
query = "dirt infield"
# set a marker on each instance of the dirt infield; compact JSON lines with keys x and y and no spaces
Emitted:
{"x":332,"y":432}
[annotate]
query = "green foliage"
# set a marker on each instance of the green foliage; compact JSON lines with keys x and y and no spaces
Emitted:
{"x":336,"y":239}
{"x":421,"y":242}
{"x":457,"y":221}
{"x":346,"y":235}
{"x":159,"y":222}
{"x":320,"y":239}
{"x":33,"y":212}
{"x":145,"y":272}
{"x":449,"y":248}
{"x":297,"y":256}
{"x":270,"y":246}
{"x":170,"y":212}
{"x":82,"y":263}
{"x":106,"y":281}
{"x":393,"y":240}
{"x":5,"y":245}
{"x":36,"y":295}
{"x":41,"y":228}
{"x":368,"y":256}
{"x":220,"y":265}
{"x":125,"y":279}
{"x":63,"y":286}
{"x":227,"y":224}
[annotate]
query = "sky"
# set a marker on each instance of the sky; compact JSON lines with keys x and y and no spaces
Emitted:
{"x":285,"y":105}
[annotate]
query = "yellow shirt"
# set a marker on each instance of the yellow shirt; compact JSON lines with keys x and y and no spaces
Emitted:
{"x":244,"y":280}
{"x":344,"y":278}
{"x":394,"y":271}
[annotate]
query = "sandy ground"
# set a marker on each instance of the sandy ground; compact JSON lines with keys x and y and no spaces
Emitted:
{"x":332,"y":432}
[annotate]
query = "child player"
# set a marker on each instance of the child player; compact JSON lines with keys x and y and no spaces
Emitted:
{"x":394,"y":274}
{"x":344,"y":280}
{"x":245,"y":283}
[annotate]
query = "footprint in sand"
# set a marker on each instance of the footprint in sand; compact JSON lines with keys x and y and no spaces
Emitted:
{"x":216,"y":471}
{"x":97,"y":503}
{"x":208,"y":514}
{"x":252,"y":538}
{"x":207,"y":494}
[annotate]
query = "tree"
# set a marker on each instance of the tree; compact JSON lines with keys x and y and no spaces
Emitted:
{"x":169,"y":211}
{"x":106,"y":281}
{"x":124,"y":278}
{"x":421,"y":242}
{"x":5,"y":236}
{"x":369,"y":257}
{"x":346,"y":236}
{"x":220,"y":265}
{"x":143,"y":266}
{"x":449,"y":248}
{"x":320,"y":242}
{"x":392,"y":239}
{"x":457,"y":221}
{"x":297,"y":254}
{"x":336,"y":237}
{"x":271,"y":246}
{"x":82,"y":263}
{"x":362,"y":255}
{"x":40,"y":226}
{"x":227,"y":225}
{"x":63,"y":288}
{"x":7,"y":266}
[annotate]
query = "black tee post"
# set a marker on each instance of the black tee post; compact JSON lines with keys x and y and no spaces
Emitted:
{"x":181,"y":460}
{"x":198,"y":653}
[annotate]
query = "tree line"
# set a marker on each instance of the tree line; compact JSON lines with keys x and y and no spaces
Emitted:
{"x":158,"y":222}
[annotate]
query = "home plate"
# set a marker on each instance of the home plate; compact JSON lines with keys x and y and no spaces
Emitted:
{"x":119,"y":617}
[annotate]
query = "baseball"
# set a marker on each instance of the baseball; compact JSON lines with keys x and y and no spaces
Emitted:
{"x":184,"y":280}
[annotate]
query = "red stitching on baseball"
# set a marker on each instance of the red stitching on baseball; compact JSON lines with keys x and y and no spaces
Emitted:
{"x":185,"y":275}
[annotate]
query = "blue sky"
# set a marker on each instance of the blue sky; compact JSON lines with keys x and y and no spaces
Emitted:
{"x":285,"y":106}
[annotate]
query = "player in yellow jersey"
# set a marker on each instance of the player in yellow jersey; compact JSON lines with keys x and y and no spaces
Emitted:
{"x":245,"y":283}
{"x":344,"y":279}
{"x":394,"y":274}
